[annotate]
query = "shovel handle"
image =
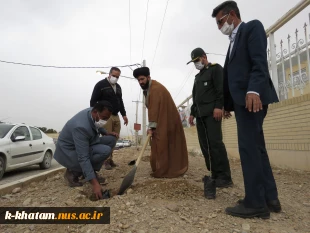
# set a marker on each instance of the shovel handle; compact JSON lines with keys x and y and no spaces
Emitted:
{"x":143,"y":149}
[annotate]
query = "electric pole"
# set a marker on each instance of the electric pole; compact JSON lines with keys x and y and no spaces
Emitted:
{"x":143,"y":113}
{"x":137,"y":103}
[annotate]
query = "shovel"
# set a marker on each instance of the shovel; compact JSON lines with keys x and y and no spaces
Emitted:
{"x":128,"y":180}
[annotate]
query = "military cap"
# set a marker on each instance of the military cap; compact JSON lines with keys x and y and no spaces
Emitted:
{"x":196,"y":53}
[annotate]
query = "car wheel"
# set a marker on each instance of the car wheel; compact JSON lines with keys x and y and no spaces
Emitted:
{"x":2,"y":167}
{"x":47,"y":160}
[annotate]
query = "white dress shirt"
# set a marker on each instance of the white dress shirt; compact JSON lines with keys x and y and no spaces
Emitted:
{"x":232,"y":42}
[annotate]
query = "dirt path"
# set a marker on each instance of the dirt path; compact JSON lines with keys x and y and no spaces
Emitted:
{"x":168,"y":205}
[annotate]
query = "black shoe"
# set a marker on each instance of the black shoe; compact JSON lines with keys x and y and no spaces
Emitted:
{"x":100,"y":179}
{"x":72,"y":179}
{"x":209,"y":187}
{"x":242,"y":212}
{"x":107,"y":165}
{"x":203,"y":178}
{"x":113,"y":164}
{"x":273,"y":206}
{"x":220,"y":183}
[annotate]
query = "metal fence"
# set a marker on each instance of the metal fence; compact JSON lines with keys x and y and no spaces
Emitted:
{"x":293,"y":65}
{"x":289,"y":67}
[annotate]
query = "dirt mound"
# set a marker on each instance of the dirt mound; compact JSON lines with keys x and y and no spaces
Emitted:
{"x":167,"y":205}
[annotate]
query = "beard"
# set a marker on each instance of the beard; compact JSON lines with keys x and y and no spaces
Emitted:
{"x":145,"y":86}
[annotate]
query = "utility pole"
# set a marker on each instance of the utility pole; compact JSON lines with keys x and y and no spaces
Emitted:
{"x":137,"y":103}
{"x":143,"y":113}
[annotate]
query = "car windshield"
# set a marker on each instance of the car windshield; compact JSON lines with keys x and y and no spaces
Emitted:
{"x":4,"y":129}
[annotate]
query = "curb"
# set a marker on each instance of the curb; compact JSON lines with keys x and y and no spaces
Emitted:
{"x":8,"y":188}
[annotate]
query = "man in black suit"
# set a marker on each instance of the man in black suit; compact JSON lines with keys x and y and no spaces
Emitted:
{"x":248,"y":90}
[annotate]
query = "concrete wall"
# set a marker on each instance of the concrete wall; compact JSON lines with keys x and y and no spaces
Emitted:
{"x":287,"y":134}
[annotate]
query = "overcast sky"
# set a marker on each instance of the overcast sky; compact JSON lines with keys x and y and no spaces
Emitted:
{"x":96,"y":33}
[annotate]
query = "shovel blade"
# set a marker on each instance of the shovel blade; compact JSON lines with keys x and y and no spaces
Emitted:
{"x":127,"y":181}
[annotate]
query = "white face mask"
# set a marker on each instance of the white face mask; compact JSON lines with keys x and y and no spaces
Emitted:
{"x":100,"y":123}
{"x":113,"y":80}
{"x":226,"y":28}
{"x":199,"y":65}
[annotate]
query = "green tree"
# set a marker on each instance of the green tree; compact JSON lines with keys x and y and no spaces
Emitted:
{"x":51,"y":131}
{"x":43,"y":129}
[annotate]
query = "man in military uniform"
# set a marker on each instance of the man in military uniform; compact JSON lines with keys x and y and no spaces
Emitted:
{"x":208,"y":109}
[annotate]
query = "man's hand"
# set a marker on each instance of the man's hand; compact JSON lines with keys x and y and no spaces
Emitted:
{"x":227,"y":115}
{"x":191,"y":120}
{"x":150,"y":132}
{"x":125,"y":120}
{"x":96,"y":188}
{"x":113,"y":134}
{"x":253,"y":102}
{"x":217,"y":114}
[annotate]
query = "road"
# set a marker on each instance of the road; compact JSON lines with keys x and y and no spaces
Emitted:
{"x":25,"y":172}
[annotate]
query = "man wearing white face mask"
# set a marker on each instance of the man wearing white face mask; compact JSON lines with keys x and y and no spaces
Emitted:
{"x":207,"y":108}
{"x":80,"y":149}
{"x":108,"y":89}
{"x":248,"y":90}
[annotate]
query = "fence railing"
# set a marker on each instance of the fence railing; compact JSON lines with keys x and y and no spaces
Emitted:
{"x":289,"y":68}
{"x":293,"y":65}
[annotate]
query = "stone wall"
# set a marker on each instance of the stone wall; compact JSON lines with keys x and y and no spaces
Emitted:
{"x":286,"y":129}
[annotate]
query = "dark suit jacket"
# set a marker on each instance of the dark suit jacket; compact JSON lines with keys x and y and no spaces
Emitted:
{"x":246,"y":69}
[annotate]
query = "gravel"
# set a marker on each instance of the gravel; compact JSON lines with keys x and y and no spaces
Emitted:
{"x":166,"y":205}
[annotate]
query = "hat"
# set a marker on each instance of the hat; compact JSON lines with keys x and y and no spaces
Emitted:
{"x":196,"y":53}
{"x":143,"y":71}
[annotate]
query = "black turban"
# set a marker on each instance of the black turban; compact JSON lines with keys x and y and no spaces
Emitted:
{"x":143,"y":71}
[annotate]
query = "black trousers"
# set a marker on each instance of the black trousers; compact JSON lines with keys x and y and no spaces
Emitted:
{"x":211,"y":139}
{"x":259,"y":182}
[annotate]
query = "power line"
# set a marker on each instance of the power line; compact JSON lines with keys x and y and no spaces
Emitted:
{"x":147,"y":9}
{"x":129,"y":33}
{"x":160,"y":32}
{"x":67,"y":67}
{"x":186,"y":79}
{"x":217,"y":54}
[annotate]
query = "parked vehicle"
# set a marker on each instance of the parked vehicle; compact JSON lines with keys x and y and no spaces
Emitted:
{"x":127,"y":143}
{"x":119,"y":144}
{"x":23,"y":145}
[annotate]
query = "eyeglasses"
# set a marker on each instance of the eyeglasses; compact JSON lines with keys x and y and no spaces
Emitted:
{"x":219,"y":22}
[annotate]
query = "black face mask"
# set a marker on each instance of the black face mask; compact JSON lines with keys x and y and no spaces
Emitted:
{"x":145,"y":86}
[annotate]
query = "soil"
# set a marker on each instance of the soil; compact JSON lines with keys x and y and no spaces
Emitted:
{"x":166,"y":205}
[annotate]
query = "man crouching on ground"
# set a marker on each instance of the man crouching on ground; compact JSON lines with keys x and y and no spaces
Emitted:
{"x":80,"y":149}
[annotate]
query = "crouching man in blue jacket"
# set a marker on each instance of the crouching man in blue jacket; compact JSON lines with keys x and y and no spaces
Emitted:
{"x":80,"y":149}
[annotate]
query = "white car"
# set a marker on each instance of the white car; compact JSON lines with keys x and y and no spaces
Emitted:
{"x":22,"y":145}
{"x":127,"y":143}
{"x":119,"y":144}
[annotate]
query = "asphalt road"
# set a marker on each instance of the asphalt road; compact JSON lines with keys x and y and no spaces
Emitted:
{"x":25,"y":172}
